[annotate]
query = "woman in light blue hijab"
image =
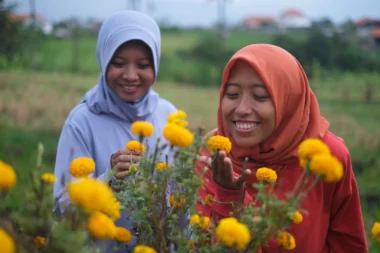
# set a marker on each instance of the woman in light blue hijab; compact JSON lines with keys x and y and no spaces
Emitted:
{"x":128,"y":53}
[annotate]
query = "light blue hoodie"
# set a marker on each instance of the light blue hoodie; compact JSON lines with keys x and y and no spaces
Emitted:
{"x":100,"y":124}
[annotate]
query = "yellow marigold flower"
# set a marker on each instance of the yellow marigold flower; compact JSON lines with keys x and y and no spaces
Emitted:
{"x":376,"y":231}
{"x":194,"y":219}
{"x":142,"y":128}
{"x":178,"y":136}
{"x":162,"y":166}
{"x":177,"y":203}
{"x":82,"y":167}
{"x":266,"y":174}
{"x":178,"y":118}
{"x":123,"y":235}
{"x":218,"y":142}
{"x":48,"y":178}
{"x":6,"y":242}
{"x":92,"y":195}
{"x":8,"y":176}
{"x":191,"y":244}
{"x":100,"y":226}
{"x":208,"y":198}
{"x":232,"y":233}
{"x":327,"y":166}
{"x":136,"y":146}
{"x":296,"y":217}
{"x":143,"y":249}
{"x":286,"y":240}
{"x":39,"y":241}
{"x":132,"y":168}
{"x":204,"y":222}
{"x":310,"y":147}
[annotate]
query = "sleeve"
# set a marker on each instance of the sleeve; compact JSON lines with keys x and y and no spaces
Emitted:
{"x":220,"y":207}
{"x":72,"y":144}
{"x":346,"y":232}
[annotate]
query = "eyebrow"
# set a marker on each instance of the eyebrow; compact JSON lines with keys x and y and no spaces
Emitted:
{"x":255,"y":85}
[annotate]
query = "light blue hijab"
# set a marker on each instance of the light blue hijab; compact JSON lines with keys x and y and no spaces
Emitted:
{"x":122,"y":27}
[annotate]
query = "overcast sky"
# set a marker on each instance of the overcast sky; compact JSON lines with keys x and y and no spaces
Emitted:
{"x":203,"y":12}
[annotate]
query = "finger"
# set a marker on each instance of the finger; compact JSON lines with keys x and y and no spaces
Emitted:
{"x":122,"y":166}
{"x":128,"y":152}
{"x":121,"y":175}
{"x":128,"y":158}
{"x":206,"y":160}
{"x":240,"y":180}
{"x":222,"y":170}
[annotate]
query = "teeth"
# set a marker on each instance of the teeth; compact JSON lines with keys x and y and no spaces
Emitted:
{"x":246,"y":125}
{"x":129,"y":87}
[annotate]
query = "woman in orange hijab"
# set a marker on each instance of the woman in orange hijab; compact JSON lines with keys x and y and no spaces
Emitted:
{"x":267,"y":109}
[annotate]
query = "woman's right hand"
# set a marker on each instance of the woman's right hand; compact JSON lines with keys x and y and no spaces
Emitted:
{"x":223,"y":173}
{"x":121,"y":160}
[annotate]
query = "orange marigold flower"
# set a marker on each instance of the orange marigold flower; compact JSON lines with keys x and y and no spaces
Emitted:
{"x":327,"y":166}
{"x":123,"y":235}
{"x":6,"y":242}
{"x":178,"y":136}
{"x":376,"y":231}
{"x":48,"y":178}
{"x":100,"y":226}
{"x":218,"y":142}
{"x":8,"y":176}
{"x":39,"y":241}
{"x":310,"y":147}
{"x":82,"y":167}
{"x":266,"y":174}
{"x":296,"y":217}
{"x":286,"y":240}
{"x":142,"y":128}
{"x":136,"y":146}
{"x":162,"y":166}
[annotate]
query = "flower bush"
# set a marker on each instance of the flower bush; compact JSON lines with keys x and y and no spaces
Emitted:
{"x":159,"y":195}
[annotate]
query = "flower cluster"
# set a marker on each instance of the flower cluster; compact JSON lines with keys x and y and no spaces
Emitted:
{"x":315,"y":155}
{"x":178,"y":118}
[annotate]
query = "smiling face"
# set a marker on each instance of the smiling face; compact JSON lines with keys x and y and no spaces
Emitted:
{"x":247,"y":107}
{"x":130,"y":72}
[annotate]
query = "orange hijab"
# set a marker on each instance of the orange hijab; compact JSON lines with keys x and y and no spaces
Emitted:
{"x":297,"y":110}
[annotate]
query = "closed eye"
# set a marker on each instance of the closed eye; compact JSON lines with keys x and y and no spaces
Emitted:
{"x":232,"y":95}
{"x":260,"y":98}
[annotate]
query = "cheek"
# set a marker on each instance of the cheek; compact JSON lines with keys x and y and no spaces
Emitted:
{"x":112,"y":74}
{"x":148,"y":75}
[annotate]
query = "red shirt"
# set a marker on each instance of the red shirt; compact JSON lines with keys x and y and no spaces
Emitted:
{"x":334,"y":222}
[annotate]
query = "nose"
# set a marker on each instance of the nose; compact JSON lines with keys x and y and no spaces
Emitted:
{"x":244,"y":106}
{"x":130,"y":73}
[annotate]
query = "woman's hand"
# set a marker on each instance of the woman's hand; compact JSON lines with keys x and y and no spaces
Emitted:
{"x":223,"y":173}
{"x":121,"y":160}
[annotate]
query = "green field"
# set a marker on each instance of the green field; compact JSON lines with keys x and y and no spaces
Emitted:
{"x":34,"y":105}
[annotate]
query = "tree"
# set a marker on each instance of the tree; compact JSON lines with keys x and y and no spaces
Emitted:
{"x":10,"y":35}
